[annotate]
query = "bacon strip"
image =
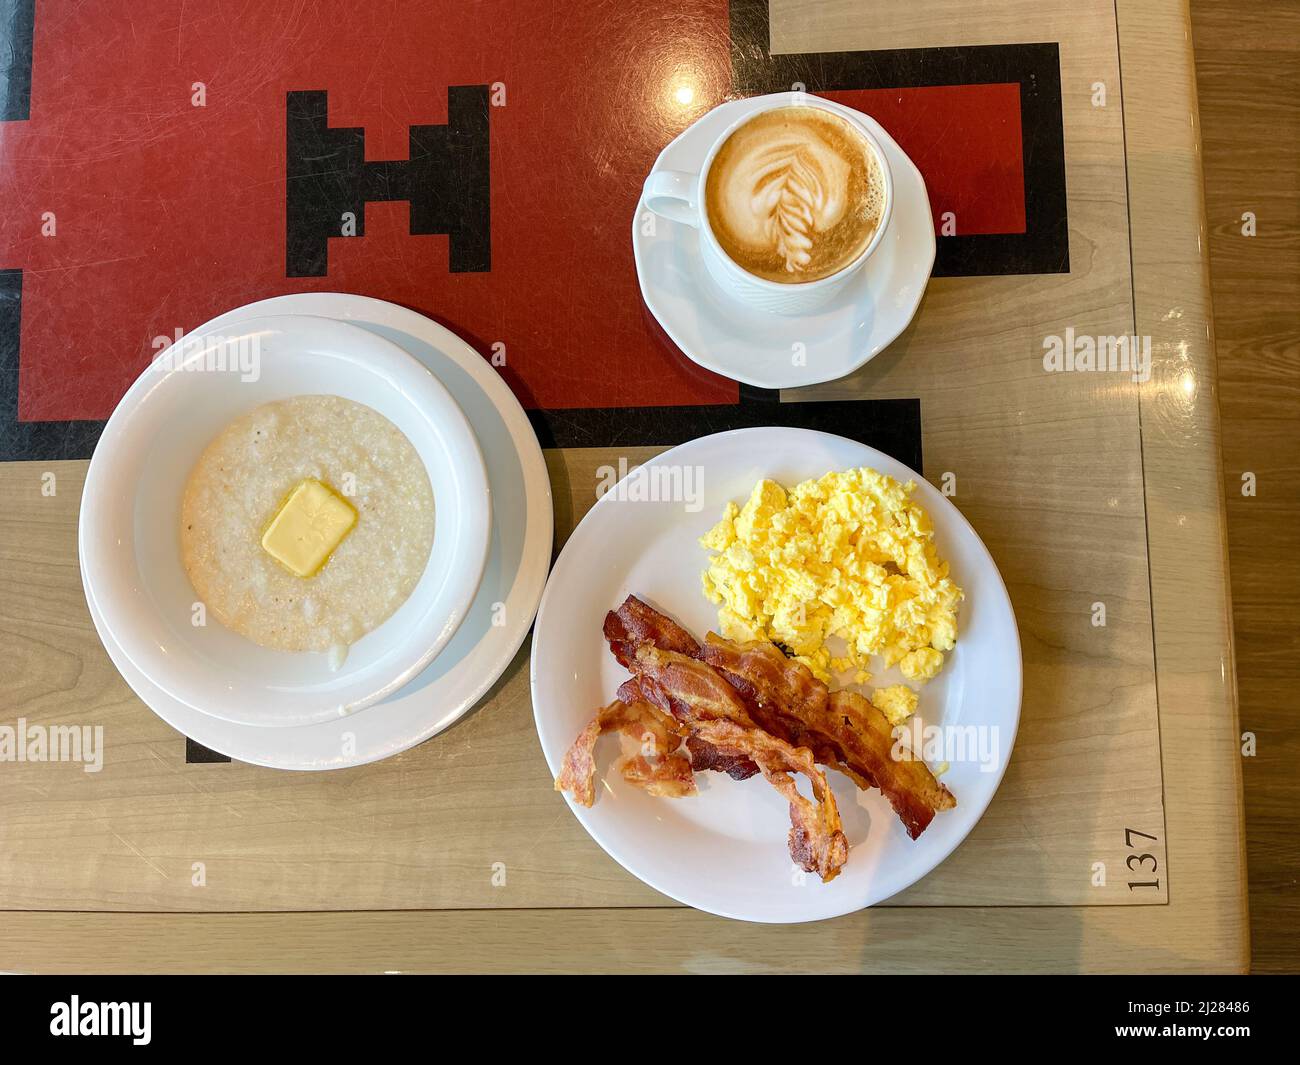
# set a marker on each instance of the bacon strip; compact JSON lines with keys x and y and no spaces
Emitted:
{"x":636,"y":623}
{"x":703,"y":757}
{"x":867,"y":739}
{"x":707,"y":758}
{"x":817,"y":842}
{"x":669,"y":776}
{"x":654,"y":765}
{"x":640,"y":721}
{"x":746,"y":708}
{"x":578,"y":770}
{"x":843,"y":729}
{"x":782,"y":697}
{"x":725,"y":736}
{"x":691,"y":691}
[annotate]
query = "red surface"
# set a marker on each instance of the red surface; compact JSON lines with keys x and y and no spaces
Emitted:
{"x":169,"y":214}
{"x":965,"y":140}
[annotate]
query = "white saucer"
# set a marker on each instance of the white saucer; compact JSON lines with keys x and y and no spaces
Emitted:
{"x":518,"y":561}
{"x":724,"y":850}
{"x":762,"y":348}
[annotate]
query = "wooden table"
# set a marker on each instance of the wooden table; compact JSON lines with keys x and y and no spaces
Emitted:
{"x":1089,"y":489}
{"x":1251,"y":137}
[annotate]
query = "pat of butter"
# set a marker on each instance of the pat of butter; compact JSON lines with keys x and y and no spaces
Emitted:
{"x":311,"y":522}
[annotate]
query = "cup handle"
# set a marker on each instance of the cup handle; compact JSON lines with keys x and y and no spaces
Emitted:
{"x":672,"y":194}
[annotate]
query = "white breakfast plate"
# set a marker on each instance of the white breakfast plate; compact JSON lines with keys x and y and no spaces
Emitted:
{"x":128,"y":532}
{"x":724,"y":850}
{"x":766,"y":349}
{"x":502,"y":612}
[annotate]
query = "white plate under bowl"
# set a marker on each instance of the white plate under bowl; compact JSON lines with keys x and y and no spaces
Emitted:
{"x":766,"y":349}
{"x":502,"y":613}
{"x":129,"y":537}
{"x":724,"y":850}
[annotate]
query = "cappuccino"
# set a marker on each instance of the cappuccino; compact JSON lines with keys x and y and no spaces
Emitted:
{"x":795,"y":194}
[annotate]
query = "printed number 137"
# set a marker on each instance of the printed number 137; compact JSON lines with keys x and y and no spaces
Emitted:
{"x":1137,"y":862}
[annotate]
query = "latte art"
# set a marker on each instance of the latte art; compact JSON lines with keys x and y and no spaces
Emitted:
{"x":795,"y":194}
{"x":796,"y":188}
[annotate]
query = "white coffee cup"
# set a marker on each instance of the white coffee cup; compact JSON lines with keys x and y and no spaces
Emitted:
{"x":678,"y":196}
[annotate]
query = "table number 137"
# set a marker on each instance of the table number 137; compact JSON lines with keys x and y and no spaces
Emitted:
{"x":1137,"y":863}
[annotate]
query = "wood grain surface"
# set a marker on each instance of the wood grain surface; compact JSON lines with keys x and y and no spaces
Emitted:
{"x":1089,"y":939}
{"x":1248,"y":76}
{"x":1086,"y":487}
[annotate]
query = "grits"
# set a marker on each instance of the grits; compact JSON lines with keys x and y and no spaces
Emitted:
{"x":246,"y":472}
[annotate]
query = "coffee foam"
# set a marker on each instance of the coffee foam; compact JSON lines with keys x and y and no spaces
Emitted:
{"x":794,"y":194}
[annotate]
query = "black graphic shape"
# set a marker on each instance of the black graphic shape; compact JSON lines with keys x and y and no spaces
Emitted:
{"x":196,"y":752}
{"x":31,"y":440}
{"x":889,"y":425}
{"x":446,"y":180}
{"x":17,"y":26}
{"x":1044,"y":247}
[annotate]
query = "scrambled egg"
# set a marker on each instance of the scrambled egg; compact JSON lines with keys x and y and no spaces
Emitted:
{"x":897,"y":702}
{"x":847,"y":555}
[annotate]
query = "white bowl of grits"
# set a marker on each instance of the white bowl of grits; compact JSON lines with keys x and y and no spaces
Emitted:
{"x":284,"y":524}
